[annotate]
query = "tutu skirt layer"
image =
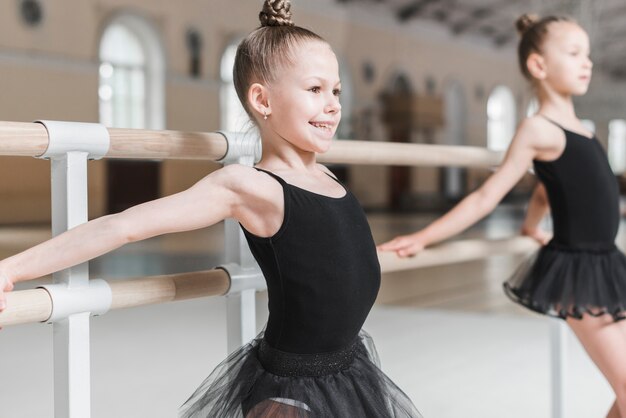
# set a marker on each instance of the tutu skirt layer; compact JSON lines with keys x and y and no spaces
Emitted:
{"x":257,"y":381}
{"x":565,"y":282}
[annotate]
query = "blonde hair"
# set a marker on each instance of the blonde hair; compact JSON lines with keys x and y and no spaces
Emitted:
{"x":268,"y":48}
{"x":533,"y":30}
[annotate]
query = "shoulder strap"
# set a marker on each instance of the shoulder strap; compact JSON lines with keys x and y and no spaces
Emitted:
{"x":332,"y":176}
{"x":269,"y":173}
{"x":551,"y":121}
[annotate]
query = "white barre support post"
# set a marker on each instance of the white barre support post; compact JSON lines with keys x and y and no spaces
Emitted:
{"x":558,"y":361}
{"x":244,"y":272}
{"x":70,"y":145}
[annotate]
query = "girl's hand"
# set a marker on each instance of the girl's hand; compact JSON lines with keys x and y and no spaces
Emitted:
{"x":538,"y":234}
{"x":404,"y":245}
{"x":6,"y":285}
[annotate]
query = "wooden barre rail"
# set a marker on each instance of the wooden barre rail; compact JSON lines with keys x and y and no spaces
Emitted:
{"x":457,"y":252}
{"x":31,"y":139}
{"x":395,"y":153}
{"x":34,"y":305}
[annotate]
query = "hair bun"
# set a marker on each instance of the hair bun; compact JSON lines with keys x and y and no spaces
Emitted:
{"x":276,"y":13}
{"x":524,"y":22}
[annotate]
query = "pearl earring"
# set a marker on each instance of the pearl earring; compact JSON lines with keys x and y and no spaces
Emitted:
{"x":264,"y":115}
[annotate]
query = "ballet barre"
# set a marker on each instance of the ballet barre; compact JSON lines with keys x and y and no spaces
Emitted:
{"x":31,"y":140}
{"x":395,"y":153}
{"x":36,"y":305}
{"x":457,"y":252}
{"x":69,"y":145}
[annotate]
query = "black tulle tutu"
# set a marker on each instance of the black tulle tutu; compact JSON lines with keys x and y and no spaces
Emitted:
{"x":257,"y":381}
{"x":566,"y":282}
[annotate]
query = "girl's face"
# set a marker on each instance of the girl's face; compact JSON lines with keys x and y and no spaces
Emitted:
{"x":304,"y":99}
{"x":566,"y":58}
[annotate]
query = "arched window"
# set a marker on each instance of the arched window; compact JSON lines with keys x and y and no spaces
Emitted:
{"x":233,"y":115}
{"x":617,"y":145}
{"x":131,"y":95}
{"x":500,"y":118}
{"x":131,"y":88}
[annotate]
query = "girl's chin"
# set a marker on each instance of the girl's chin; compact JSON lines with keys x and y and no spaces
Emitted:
{"x":323,"y":139}
{"x":582,"y":88}
{"x":322,"y":146}
{"x":319,"y":148}
{"x":580,"y":91}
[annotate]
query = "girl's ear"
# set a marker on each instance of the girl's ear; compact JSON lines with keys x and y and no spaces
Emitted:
{"x":536,"y":66}
{"x":259,"y":100}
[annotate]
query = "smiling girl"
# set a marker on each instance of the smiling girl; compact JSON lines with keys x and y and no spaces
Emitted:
{"x":305,"y":229}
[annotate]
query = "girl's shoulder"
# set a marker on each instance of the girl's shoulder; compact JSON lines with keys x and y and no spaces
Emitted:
{"x":236,"y":174}
{"x":247,"y":181}
{"x":540,"y":134}
{"x":539,"y":127}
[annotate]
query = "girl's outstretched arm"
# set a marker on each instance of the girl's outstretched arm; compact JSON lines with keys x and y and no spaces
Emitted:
{"x":523,"y":149}
{"x":227,"y":192}
{"x":538,"y":206}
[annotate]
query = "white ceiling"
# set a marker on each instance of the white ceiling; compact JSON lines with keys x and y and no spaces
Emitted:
{"x":494,"y":20}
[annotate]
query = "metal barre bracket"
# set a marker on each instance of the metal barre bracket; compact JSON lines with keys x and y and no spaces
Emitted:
{"x":242,"y":278}
{"x":95,"y":299}
{"x":243,"y":148}
{"x":65,"y":137}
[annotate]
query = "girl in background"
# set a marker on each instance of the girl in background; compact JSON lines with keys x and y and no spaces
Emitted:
{"x":579,"y":275}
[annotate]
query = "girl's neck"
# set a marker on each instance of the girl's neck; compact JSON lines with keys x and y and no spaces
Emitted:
{"x":282,"y":155}
{"x":555,"y":105}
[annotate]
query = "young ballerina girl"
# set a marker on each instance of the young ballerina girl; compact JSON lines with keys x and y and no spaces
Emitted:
{"x":307,"y":232}
{"x":579,"y":275}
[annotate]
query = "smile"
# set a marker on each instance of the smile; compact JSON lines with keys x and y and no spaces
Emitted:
{"x":320,"y":125}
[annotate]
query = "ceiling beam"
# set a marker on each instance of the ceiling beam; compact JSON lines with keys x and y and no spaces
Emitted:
{"x":473,"y":18}
{"x":413,"y":9}
{"x":477,"y":15}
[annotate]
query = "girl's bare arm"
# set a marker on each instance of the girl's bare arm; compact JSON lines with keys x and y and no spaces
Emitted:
{"x":228,"y":192}
{"x":479,"y":203}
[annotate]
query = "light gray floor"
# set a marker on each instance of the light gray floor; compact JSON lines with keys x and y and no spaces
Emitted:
{"x":456,"y":352}
{"x":147,"y":361}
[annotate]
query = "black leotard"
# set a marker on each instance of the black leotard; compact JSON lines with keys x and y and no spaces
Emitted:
{"x":580,"y":270}
{"x":321,"y":269}
{"x":583,"y":194}
{"x":313,"y":360}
